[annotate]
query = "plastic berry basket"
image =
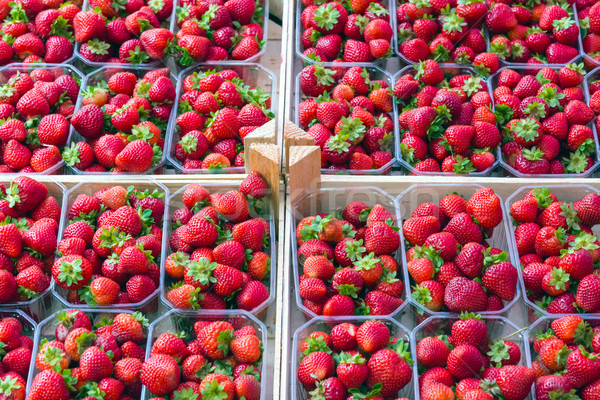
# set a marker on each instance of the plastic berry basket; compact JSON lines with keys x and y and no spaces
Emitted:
{"x":579,"y":47}
{"x":252,"y":74}
{"x":564,"y":193}
{"x":265,"y":26}
{"x":415,"y":195}
{"x":498,"y":328}
{"x":541,"y":326}
{"x":328,"y":201}
{"x":149,"y":304}
{"x":376,"y":73}
{"x":389,"y":4}
{"x":91,"y":66}
{"x":7,"y":71}
{"x":177,"y":321}
{"x":525,"y":68}
{"x":450,"y":70}
{"x":175,"y":202}
{"x":103,"y":74}
{"x":46,"y":331}
{"x":37,"y":307}
{"x":322,"y":324}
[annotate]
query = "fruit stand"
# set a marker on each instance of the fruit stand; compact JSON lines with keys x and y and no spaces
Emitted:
{"x":328,"y":200}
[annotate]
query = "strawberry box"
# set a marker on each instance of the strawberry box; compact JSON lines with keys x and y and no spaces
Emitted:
{"x":576,"y":339}
{"x":197,"y":330}
{"x":220,"y":31}
{"x":123,"y":32}
{"x":18,"y":332}
{"x":116,"y":232}
{"x":357,"y":32}
{"x":350,"y":113}
{"x":546,"y":123}
{"x":458,"y":133}
{"x":26,"y":275}
{"x":218,"y":105}
{"x":441,"y":31}
{"x":334,"y":355}
{"x":81,"y":351}
{"x":37,"y":32}
{"x":564,"y":248}
{"x":38,"y":100}
{"x":194,"y":270}
{"x":588,"y":38}
{"x":121,"y":121}
{"x":360,"y":240}
{"x":447,"y":275}
{"x":545,"y":33}
{"x":462,"y":352}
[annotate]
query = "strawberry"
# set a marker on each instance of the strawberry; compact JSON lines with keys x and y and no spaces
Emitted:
{"x":161,"y":374}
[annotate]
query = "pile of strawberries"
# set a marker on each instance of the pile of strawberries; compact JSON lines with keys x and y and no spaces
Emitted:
{"x":15,"y":358}
{"x":443,"y":31}
{"x":566,"y":360}
{"x":352,"y":31}
{"x":589,"y":21}
{"x":111,"y":248}
{"x":35,"y":105}
{"x":558,"y":251}
{"x":349,"y":115}
{"x":544,"y":33}
{"x":219,"y":30}
{"x":446,"y":125}
{"x":37,"y":31}
{"x":544,"y":118}
{"x":364,"y":362}
{"x":217,"y":110}
{"x":29,"y":220}
{"x":123,"y":31}
{"x":123,"y":121}
{"x":221,"y":257}
{"x":449,"y":260}
{"x":99,"y":359}
{"x":466,"y":358}
{"x":346,"y":262}
{"x":220,"y":363}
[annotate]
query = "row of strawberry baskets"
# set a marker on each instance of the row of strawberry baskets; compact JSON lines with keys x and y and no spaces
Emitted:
{"x":425,"y":283}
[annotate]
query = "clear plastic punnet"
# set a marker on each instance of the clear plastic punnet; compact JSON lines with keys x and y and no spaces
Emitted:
{"x":326,"y":324}
{"x":150,"y":304}
{"x":498,"y":328}
{"x":418,"y":194}
{"x":564,"y":193}
{"x":327,"y":201}
{"x":175,"y":202}
{"x":37,"y":307}
{"x":178,"y":321}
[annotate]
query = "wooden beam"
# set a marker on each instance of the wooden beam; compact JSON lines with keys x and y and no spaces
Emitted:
{"x":262,"y":134}
{"x":305,"y":170}
{"x":264,"y":158}
{"x":295,"y":136}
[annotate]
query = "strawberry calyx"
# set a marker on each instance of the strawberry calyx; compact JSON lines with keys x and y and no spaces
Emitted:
{"x":527,"y":129}
{"x":517,"y":50}
{"x":17,"y":13}
{"x":563,"y":23}
{"x":314,"y":344}
{"x":587,"y":147}
{"x":533,"y":154}
{"x":348,"y":290}
{"x":111,"y":236}
{"x":584,"y":241}
{"x":535,"y":109}
{"x":85,"y":341}
{"x":577,"y":162}
{"x":8,"y":384}
{"x":137,"y":56}
{"x":201,"y":271}
{"x":2,"y":347}
{"x":367,"y":262}
{"x":559,"y":279}
{"x":468,"y":315}
{"x":377,"y":9}
{"x":71,"y":155}
{"x":12,"y":195}
{"x":551,"y":96}
{"x":463,"y":165}
{"x":472,"y":85}
{"x":584,"y":334}
{"x":319,"y":392}
{"x":69,"y":379}
{"x":348,"y":358}
{"x":339,"y":143}
{"x":499,"y":351}
{"x":542,"y":195}
{"x":490,"y":387}
{"x":143,"y":133}
{"x":52,"y":355}
{"x":185,"y":394}
{"x":441,"y":53}
{"x":491,"y":259}
{"x":361,"y":22}
{"x":326,"y":17}
{"x":354,"y":249}
{"x":570,"y":214}
{"x":70,"y":272}
{"x":358,"y":394}
{"x":65,"y":319}
{"x":429,"y":253}
{"x":421,"y":294}
{"x":402,"y":348}
{"x":91,"y":389}
{"x":454,"y":23}
{"x":352,"y":129}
